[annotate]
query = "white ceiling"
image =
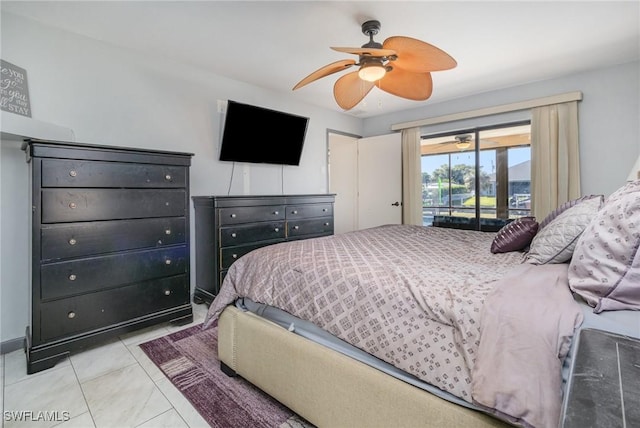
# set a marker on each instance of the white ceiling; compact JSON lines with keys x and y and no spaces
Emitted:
{"x":274,"y":44}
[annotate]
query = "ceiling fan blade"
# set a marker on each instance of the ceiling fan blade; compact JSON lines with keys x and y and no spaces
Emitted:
{"x":366,"y":51}
{"x":350,"y":89}
{"x":405,"y":84}
{"x":334,"y":67}
{"x":418,"y":56}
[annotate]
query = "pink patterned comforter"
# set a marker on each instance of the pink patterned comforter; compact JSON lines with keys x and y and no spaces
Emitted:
{"x":410,"y":295}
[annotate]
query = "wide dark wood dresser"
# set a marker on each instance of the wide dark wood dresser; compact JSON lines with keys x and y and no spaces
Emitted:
{"x":110,"y":244}
{"x":228,"y":227}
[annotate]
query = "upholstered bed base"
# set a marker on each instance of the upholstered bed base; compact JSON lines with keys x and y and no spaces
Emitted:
{"x":325,"y":387}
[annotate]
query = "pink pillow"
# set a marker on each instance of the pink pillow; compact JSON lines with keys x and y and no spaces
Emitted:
{"x":605,"y":268}
{"x":515,"y":236}
{"x":565,"y":206}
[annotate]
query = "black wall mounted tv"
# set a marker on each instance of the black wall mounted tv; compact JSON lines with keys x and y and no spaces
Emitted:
{"x":260,"y":135}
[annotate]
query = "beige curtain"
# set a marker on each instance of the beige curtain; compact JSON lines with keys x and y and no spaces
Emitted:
{"x":555,"y":160}
{"x":411,"y":177}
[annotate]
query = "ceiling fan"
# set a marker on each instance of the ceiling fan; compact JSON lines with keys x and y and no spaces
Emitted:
{"x":465,"y":142}
{"x":401,"y":66}
{"x":446,"y":145}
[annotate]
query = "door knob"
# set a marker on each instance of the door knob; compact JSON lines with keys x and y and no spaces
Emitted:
{"x":396,"y":204}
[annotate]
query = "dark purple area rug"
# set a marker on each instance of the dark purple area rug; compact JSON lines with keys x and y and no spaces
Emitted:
{"x":189,"y":358}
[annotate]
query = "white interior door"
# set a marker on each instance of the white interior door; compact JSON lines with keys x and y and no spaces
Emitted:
{"x":379,"y":180}
{"x":343,"y":181}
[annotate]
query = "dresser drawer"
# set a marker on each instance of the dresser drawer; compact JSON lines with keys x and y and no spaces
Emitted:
{"x":86,"y":275}
{"x":238,"y":215}
{"x":106,"y":308}
{"x":60,"y":205}
{"x":79,"y":173}
{"x":309,"y":211}
{"x":242,"y":234}
{"x":229,"y":255}
{"x":316,"y":226}
{"x":61,"y":241}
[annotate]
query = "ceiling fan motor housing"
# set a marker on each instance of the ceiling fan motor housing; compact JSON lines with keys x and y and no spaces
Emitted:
{"x":371,"y":28}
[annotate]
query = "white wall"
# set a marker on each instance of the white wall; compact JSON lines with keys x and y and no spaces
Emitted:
{"x":609,"y":119}
{"x":114,"y":97}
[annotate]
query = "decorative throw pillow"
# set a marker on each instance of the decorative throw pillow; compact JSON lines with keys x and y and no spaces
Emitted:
{"x":515,"y":236}
{"x":605,"y":269}
{"x":556,"y":242}
{"x":565,"y":206}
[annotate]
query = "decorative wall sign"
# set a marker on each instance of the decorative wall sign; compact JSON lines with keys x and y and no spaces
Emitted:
{"x":14,"y":90}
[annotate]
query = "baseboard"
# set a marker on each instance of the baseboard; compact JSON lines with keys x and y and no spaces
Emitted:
{"x":11,"y":345}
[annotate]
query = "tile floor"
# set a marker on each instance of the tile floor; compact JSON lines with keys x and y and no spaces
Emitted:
{"x":111,"y":385}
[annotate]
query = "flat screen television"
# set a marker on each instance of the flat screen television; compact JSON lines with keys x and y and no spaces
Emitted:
{"x":260,"y":135}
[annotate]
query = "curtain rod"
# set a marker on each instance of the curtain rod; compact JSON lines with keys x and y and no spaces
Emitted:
{"x":504,"y":108}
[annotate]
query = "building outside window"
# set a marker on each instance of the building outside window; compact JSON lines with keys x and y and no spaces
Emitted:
{"x":462,"y":180}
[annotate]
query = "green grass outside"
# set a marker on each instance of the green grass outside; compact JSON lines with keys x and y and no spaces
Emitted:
{"x":485,"y":202}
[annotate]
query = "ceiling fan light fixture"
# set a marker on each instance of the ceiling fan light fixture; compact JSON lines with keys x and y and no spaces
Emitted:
{"x":464,"y":142}
{"x":372,"y":71}
{"x":463,"y":145}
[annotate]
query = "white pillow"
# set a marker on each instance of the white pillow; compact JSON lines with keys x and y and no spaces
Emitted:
{"x":557,"y":240}
{"x":605,"y":269}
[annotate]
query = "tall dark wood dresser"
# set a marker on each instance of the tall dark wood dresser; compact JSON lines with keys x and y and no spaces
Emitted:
{"x":228,"y":227}
{"x":110,"y":244}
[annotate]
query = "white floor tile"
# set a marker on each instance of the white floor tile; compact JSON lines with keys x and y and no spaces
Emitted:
{"x":145,"y":362}
{"x":144,"y":335}
{"x":53,"y":390}
{"x":83,"y":421}
{"x":124,"y":398}
{"x":16,"y":367}
{"x":200,"y":311}
{"x":181,"y":404}
{"x":100,"y":360}
{"x":169,"y":419}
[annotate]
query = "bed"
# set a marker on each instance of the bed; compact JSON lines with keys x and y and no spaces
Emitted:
{"x":403,"y":325}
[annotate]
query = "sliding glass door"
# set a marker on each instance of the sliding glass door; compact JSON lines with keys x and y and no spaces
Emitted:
{"x":477,"y":186}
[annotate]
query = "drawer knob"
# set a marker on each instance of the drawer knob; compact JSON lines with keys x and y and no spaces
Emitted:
{"x":233,"y":216}
{"x":167,"y":292}
{"x":167,"y":262}
{"x":72,"y":241}
{"x":71,"y":315}
{"x":276,"y":229}
{"x":326,"y":223}
{"x":296,"y":227}
{"x":294,"y":212}
{"x":235,"y":256}
{"x":324,"y":210}
{"x":167,"y":232}
{"x":72,"y":205}
{"x":233,"y":235}
{"x":73,"y":173}
{"x":167,"y":177}
{"x":72,"y":277}
{"x":276,"y":213}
